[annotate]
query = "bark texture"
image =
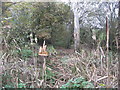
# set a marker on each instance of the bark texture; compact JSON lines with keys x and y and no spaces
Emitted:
{"x":76,"y":30}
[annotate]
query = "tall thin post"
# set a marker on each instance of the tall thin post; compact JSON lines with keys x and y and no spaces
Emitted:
{"x":1,"y":53}
{"x":107,"y":52}
{"x":43,"y":53}
{"x":118,"y":49}
{"x":44,"y":71}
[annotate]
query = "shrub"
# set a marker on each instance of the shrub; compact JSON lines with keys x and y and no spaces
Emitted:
{"x":79,"y":82}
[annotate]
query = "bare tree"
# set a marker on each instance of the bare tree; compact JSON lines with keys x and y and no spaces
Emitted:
{"x":76,"y":28}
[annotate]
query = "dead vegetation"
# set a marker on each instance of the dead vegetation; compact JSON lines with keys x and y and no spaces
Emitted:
{"x":59,"y":68}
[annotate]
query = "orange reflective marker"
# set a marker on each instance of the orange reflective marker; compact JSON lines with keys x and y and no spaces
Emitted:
{"x":42,"y":50}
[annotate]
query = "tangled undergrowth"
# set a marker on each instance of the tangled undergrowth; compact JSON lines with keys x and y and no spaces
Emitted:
{"x":23,"y":68}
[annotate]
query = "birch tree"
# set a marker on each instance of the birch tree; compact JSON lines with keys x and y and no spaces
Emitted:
{"x":81,"y":11}
{"x":76,"y":27}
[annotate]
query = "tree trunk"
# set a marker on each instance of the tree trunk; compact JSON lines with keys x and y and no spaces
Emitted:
{"x":76,"y":30}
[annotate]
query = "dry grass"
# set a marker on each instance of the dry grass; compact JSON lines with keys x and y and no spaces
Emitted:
{"x":90,"y":64}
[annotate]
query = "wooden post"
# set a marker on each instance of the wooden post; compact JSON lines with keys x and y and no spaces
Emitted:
{"x":118,"y":50}
{"x":107,"y":52}
{"x":44,"y":71}
{"x":43,"y":53}
{"x":1,"y":53}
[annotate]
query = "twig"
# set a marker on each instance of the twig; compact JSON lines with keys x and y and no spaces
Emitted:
{"x":77,"y":53}
{"x":3,"y":56}
{"x":94,"y":73}
{"x":117,"y":44}
{"x":101,"y":78}
{"x":17,"y":45}
{"x":101,"y":59}
{"x":102,"y":51}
